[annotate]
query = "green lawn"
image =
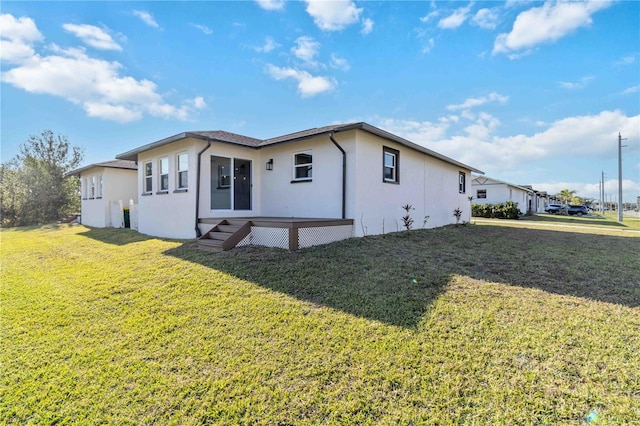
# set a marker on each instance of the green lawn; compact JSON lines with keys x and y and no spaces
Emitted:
{"x":609,"y":220}
{"x":458,"y":325}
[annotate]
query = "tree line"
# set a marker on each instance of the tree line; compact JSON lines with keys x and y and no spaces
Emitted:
{"x":34,"y":186}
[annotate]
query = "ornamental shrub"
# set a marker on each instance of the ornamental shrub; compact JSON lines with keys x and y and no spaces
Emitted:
{"x":508,"y":210}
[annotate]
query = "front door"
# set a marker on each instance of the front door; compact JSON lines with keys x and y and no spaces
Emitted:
{"x":230,"y":183}
{"x":241,"y":184}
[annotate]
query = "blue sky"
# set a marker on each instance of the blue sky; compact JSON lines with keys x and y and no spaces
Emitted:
{"x":529,"y":92}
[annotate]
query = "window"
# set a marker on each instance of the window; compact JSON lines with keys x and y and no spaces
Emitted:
{"x":462,"y":182}
{"x":100,"y":187}
{"x":390,"y":165}
{"x":482,"y":193}
{"x":148,"y":177}
{"x":85,"y":188}
{"x":303,"y":166}
{"x":183,"y":171}
{"x":164,"y":174}
{"x":92,"y":194}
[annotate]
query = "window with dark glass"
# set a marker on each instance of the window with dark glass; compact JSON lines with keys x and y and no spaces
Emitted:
{"x":390,"y":165}
{"x":482,"y":193}
{"x":462,"y":182}
{"x":183,"y":170}
{"x":164,"y":174}
{"x":148,"y":177}
{"x":303,"y":166}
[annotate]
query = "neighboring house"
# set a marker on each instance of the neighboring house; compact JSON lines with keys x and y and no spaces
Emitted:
{"x":356,"y":172}
{"x":103,"y":184}
{"x":487,"y":190}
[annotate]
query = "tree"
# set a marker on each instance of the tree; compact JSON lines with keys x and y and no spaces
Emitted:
{"x":566,"y":196}
{"x":34,"y":187}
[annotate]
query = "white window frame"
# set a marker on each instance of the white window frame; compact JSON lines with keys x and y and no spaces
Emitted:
{"x":462,"y":182}
{"x":302,"y":165}
{"x":85,"y":188}
{"x":180,"y":170}
{"x":148,"y":178}
{"x":92,"y":194}
{"x":162,"y":173}
{"x":395,"y":168}
{"x":99,"y":186}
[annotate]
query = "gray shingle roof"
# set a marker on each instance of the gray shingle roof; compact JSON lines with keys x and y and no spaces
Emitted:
{"x":236,"y":139}
{"x":113,"y":164}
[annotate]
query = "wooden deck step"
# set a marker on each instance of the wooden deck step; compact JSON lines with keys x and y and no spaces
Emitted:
{"x":225,"y":235}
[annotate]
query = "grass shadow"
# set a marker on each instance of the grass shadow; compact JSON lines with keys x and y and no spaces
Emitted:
{"x":396,"y":277}
{"x":357,"y":276}
{"x":118,"y":237}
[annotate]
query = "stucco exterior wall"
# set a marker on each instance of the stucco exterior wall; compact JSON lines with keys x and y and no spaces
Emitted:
{"x":170,"y":214}
{"x":500,"y":192}
{"x":117,"y":184}
{"x":321,"y":197}
{"x":428,"y":184}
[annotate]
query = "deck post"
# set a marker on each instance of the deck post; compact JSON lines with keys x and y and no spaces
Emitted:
{"x":293,"y":239}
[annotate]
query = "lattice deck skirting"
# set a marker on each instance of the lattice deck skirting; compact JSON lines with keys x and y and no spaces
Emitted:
{"x":293,"y":233}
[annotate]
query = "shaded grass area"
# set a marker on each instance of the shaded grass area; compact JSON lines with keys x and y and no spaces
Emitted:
{"x":594,"y":220}
{"x":501,"y":325}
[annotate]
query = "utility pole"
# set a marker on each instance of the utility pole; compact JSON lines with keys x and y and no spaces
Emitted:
{"x":602,"y":197}
{"x":620,"y":176}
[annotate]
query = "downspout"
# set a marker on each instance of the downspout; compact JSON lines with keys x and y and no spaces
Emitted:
{"x":344,"y":175}
{"x":198,"y":233}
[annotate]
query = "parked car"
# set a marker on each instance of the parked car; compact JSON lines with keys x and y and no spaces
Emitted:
{"x":555,"y":208}
{"x":577,"y":210}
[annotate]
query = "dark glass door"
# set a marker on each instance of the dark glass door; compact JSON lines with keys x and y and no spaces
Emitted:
{"x":241,"y":184}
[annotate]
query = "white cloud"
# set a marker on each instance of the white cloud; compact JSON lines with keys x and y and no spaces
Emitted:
{"x":431,"y":15}
{"x":426,"y":48}
{"x":333,"y":15}
{"x":367,"y":26}
{"x":473,"y":140}
{"x":268,"y":46}
{"x":92,"y":36}
{"x":203,"y":28}
{"x":546,"y":24}
{"x":574,"y":85}
{"x":486,"y":18}
{"x":308,"y":85}
{"x":626,"y":60}
{"x":456,"y":19}
{"x":146,"y":18}
{"x":271,"y":4}
{"x":631,"y":90}
{"x":17,"y":37}
{"x":307,"y":50}
{"x":94,"y":84}
{"x":198,"y":102}
{"x":474,"y":102}
{"x":339,"y":63}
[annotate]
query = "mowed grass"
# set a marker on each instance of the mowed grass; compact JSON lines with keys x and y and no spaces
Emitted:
{"x":457,"y":325}
{"x":608,"y":220}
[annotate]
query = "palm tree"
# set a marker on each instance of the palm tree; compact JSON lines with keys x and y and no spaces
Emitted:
{"x":566,"y":196}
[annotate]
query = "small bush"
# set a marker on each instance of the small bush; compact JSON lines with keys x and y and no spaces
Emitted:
{"x":508,"y":210}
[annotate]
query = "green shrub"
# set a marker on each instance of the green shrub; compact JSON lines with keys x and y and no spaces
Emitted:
{"x":508,"y":210}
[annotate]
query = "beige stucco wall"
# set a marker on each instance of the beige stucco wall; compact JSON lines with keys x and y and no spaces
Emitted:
{"x":118,"y":184}
{"x":170,"y":215}
{"x":500,"y":192}
{"x":428,"y":184}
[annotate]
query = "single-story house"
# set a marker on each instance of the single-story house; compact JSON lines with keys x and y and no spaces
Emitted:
{"x":488,"y":190}
{"x":353,"y":178}
{"x":102,"y":185}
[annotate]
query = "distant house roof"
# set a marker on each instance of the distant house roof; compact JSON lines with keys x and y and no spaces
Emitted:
{"x":484,"y":180}
{"x":113,"y":164}
{"x":236,"y":139}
